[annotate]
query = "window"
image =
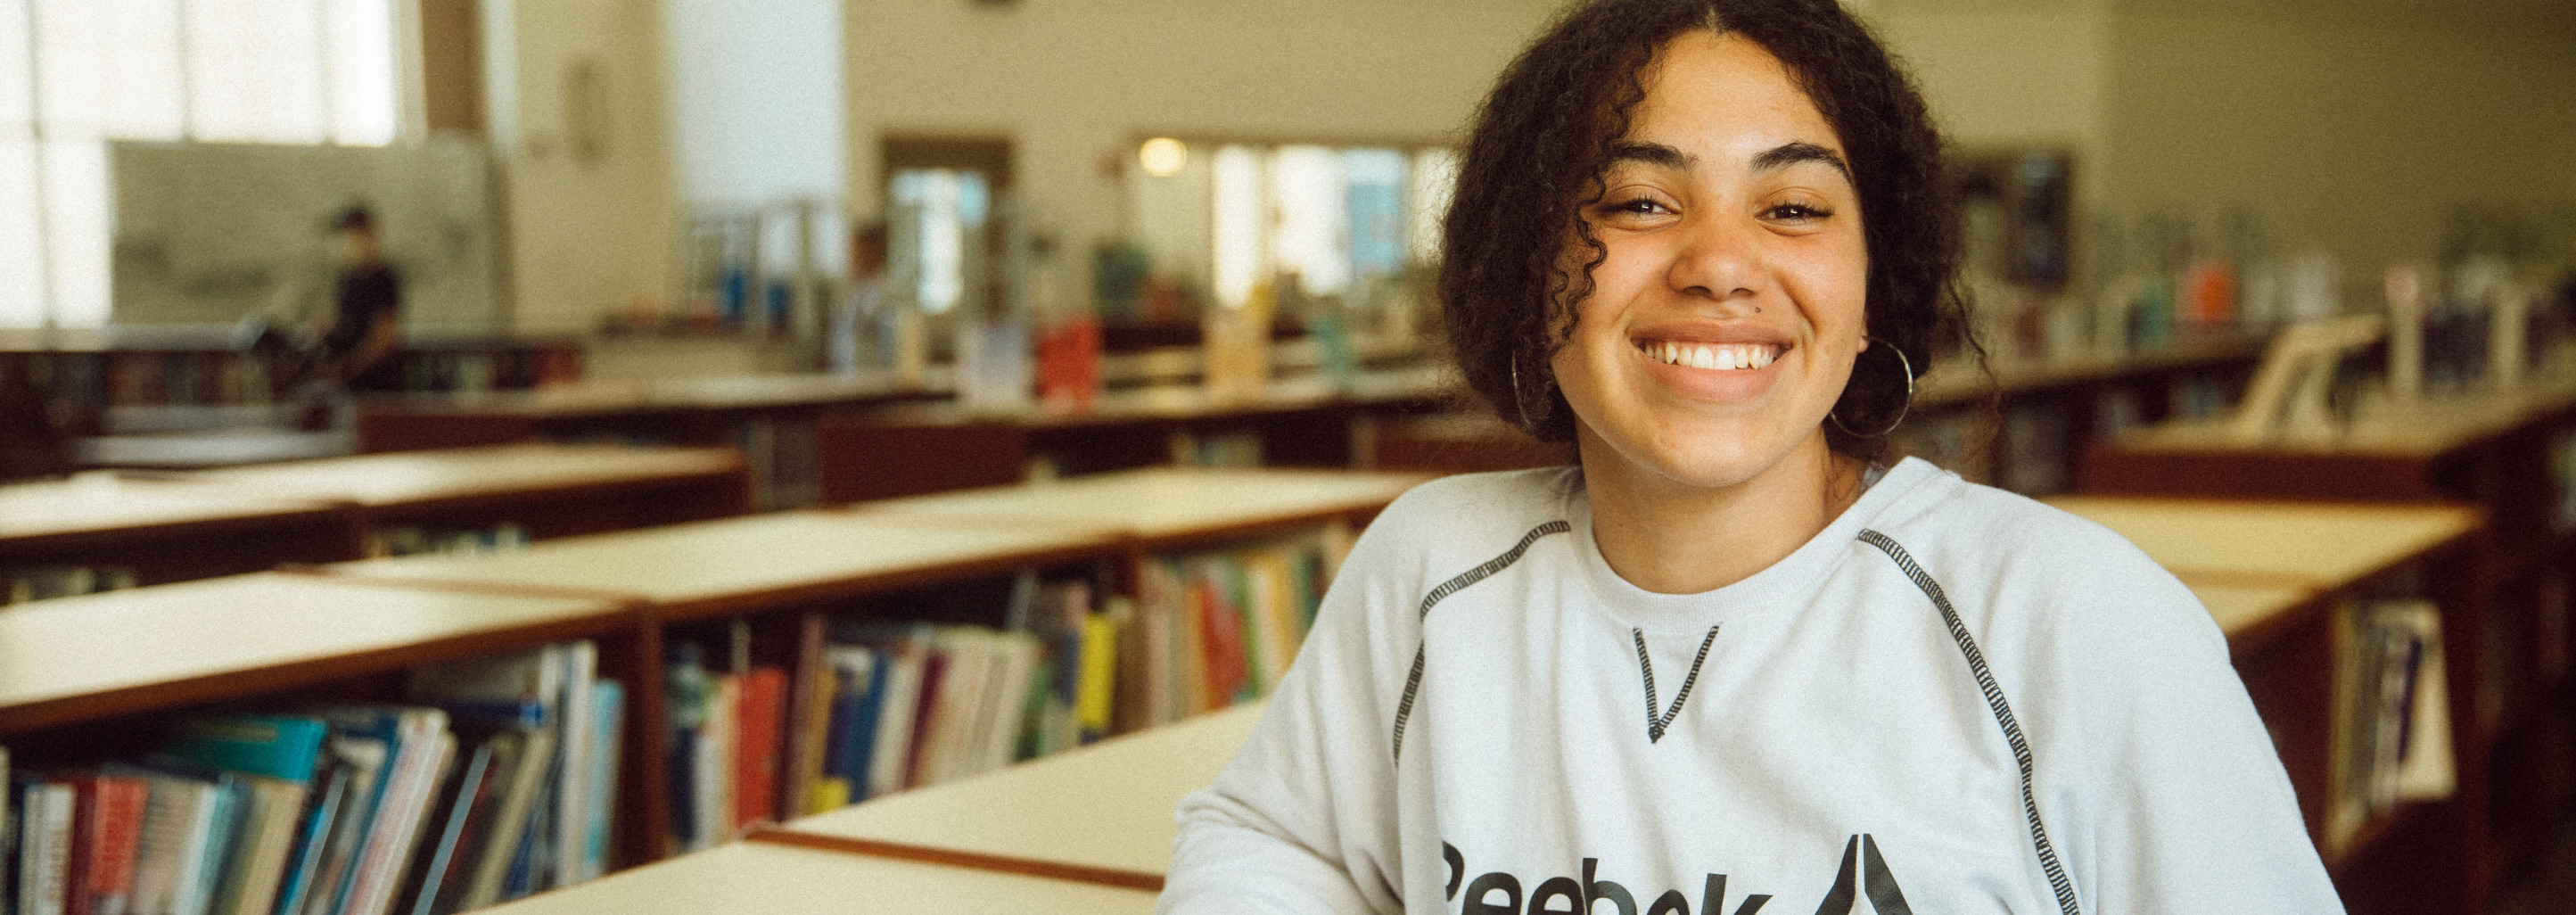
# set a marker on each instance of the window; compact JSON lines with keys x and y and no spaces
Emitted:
{"x":76,"y":74}
{"x":1220,"y":219}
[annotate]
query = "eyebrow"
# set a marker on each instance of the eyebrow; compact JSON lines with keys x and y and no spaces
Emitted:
{"x":1773,"y":159}
{"x":1788,"y":154}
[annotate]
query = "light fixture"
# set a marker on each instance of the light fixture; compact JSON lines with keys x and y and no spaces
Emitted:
{"x":1163,"y":157}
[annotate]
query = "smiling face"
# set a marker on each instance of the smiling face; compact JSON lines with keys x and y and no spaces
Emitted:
{"x":1727,"y":310}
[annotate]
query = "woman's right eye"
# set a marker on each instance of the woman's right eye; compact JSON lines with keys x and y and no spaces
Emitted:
{"x":1641,"y":206}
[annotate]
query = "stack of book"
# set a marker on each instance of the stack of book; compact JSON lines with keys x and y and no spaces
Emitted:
{"x":889,"y":707}
{"x":413,"y":540}
{"x":2392,"y":714}
{"x":1213,"y":629}
{"x":20,"y":584}
{"x":495,"y":785}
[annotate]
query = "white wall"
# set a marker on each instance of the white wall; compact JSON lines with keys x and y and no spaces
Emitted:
{"x":756,"y":101}
{"x":586,"y":234}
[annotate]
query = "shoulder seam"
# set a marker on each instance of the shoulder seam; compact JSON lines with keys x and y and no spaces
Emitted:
{"x":1413,"y":681}
{"x":2048,"y":863}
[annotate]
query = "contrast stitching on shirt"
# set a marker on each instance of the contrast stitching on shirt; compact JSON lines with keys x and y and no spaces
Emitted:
{"x":1413,"y":681}
{"x":1655,"y":725}
{"x":1995,"y":700}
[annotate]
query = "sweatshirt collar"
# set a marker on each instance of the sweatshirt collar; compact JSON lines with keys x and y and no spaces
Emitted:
{"x":1791,"y":581}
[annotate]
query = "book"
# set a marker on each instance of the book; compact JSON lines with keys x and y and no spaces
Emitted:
{"x":363,"y":759}
{"x":607,"y":723}
{"x":761,"y":719}
{"x":576,"y":743}
{"x":418,"y":746}
{"x":712,"y":771}
{"x":330,"y":788}
{"x":438,"y":880}
{"x":107,"y":829}
{"x":265,"y":840}
{"x":47,"y":810}
{"x":177,"y":822}
{"x":510,"y":820}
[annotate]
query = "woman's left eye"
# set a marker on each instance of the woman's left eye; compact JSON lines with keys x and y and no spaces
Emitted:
{"x":1797,"y":212}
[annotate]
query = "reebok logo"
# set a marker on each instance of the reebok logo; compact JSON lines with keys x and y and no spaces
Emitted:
{"x":1864,"y":875}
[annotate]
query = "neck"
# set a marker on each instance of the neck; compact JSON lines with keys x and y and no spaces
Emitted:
{"x":1671,"y":537}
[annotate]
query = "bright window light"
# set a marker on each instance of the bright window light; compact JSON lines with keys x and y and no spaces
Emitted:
{"x":91,"y":72}
{"x":1240,"y":248}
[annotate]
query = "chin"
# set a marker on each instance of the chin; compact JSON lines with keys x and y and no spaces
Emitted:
{"x":1712,"y":458}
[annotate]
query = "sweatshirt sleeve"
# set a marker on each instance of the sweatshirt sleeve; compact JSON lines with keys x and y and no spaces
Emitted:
{"x":2179,"y":802}
{"x":1304,"y":820}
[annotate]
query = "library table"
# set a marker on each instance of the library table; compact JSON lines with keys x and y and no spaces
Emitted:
{"x":1108,"y":805}
{"x":550,"y":490}
{"x":764,"y":879}
{"x":79,"y":659}
{"x":167,"y":530}
{"x":691,"y":409}
{"x":2240,"y":557}
{"x":1164,"y":506}
{"x":739,"y":565}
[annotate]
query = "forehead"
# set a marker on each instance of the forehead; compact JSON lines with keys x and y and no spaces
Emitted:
{"x":1724,"y":94}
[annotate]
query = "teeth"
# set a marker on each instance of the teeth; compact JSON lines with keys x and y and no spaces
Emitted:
{"x":1719,"y":357}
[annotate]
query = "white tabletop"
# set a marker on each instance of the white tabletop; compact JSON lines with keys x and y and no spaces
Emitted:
{"x":1171,"y":501}
{"x":102,"y":643}
{"x":405,"y":477}
{"x":740,"y":557}
{"x":1105,"y":805}
{"x":758,"y":879}
{"x":2235,"y":542}
{"x":101,"y":501}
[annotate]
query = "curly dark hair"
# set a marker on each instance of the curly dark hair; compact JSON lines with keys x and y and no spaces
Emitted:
{"x":1535,"y":163}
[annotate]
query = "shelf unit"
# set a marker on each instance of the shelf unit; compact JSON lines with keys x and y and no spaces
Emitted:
{"x":548,"y":490}
{"x":168,"y":530}
{"x":1298,"y":422}
{"x":61,"y":384}
{"x":2273,"y":574}
{"x":82,"y":676}
{"x":770,"y":418}
{"x":2509,"y":454}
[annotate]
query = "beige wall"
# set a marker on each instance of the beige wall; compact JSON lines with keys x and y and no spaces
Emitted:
{"x":1074,"y":83}
{"x":2354,"y":134}
{"x":586,"y":234}
{"x":2352,"y":128}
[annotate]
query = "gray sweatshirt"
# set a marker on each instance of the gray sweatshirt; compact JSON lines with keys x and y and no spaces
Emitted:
{"x":1953,"y":700}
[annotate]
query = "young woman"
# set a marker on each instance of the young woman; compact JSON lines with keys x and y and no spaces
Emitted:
{"x":1727,"y":665}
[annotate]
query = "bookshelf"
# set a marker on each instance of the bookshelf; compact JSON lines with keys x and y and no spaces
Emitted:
{"x":2275,"y":575}
{"x":770,"y":418}
{"x":83,"y":660}
{"x":733,"y":566}
{"x":165,"y":530}
{"x":2510,"y":453}
{"x":1303,"y":421}
{"x":87,"y":678}
{"x":61,"y":385}
{"x":548,"y":490}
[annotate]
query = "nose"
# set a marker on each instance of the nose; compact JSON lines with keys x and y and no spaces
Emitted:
{"x":1717,"y":259}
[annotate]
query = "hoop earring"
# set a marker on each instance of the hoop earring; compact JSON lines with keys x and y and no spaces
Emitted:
{"x":1520,"y":402}
{"x":1908,"y":365}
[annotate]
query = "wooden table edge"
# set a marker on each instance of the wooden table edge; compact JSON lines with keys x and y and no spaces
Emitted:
{"x":226,"y":684}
